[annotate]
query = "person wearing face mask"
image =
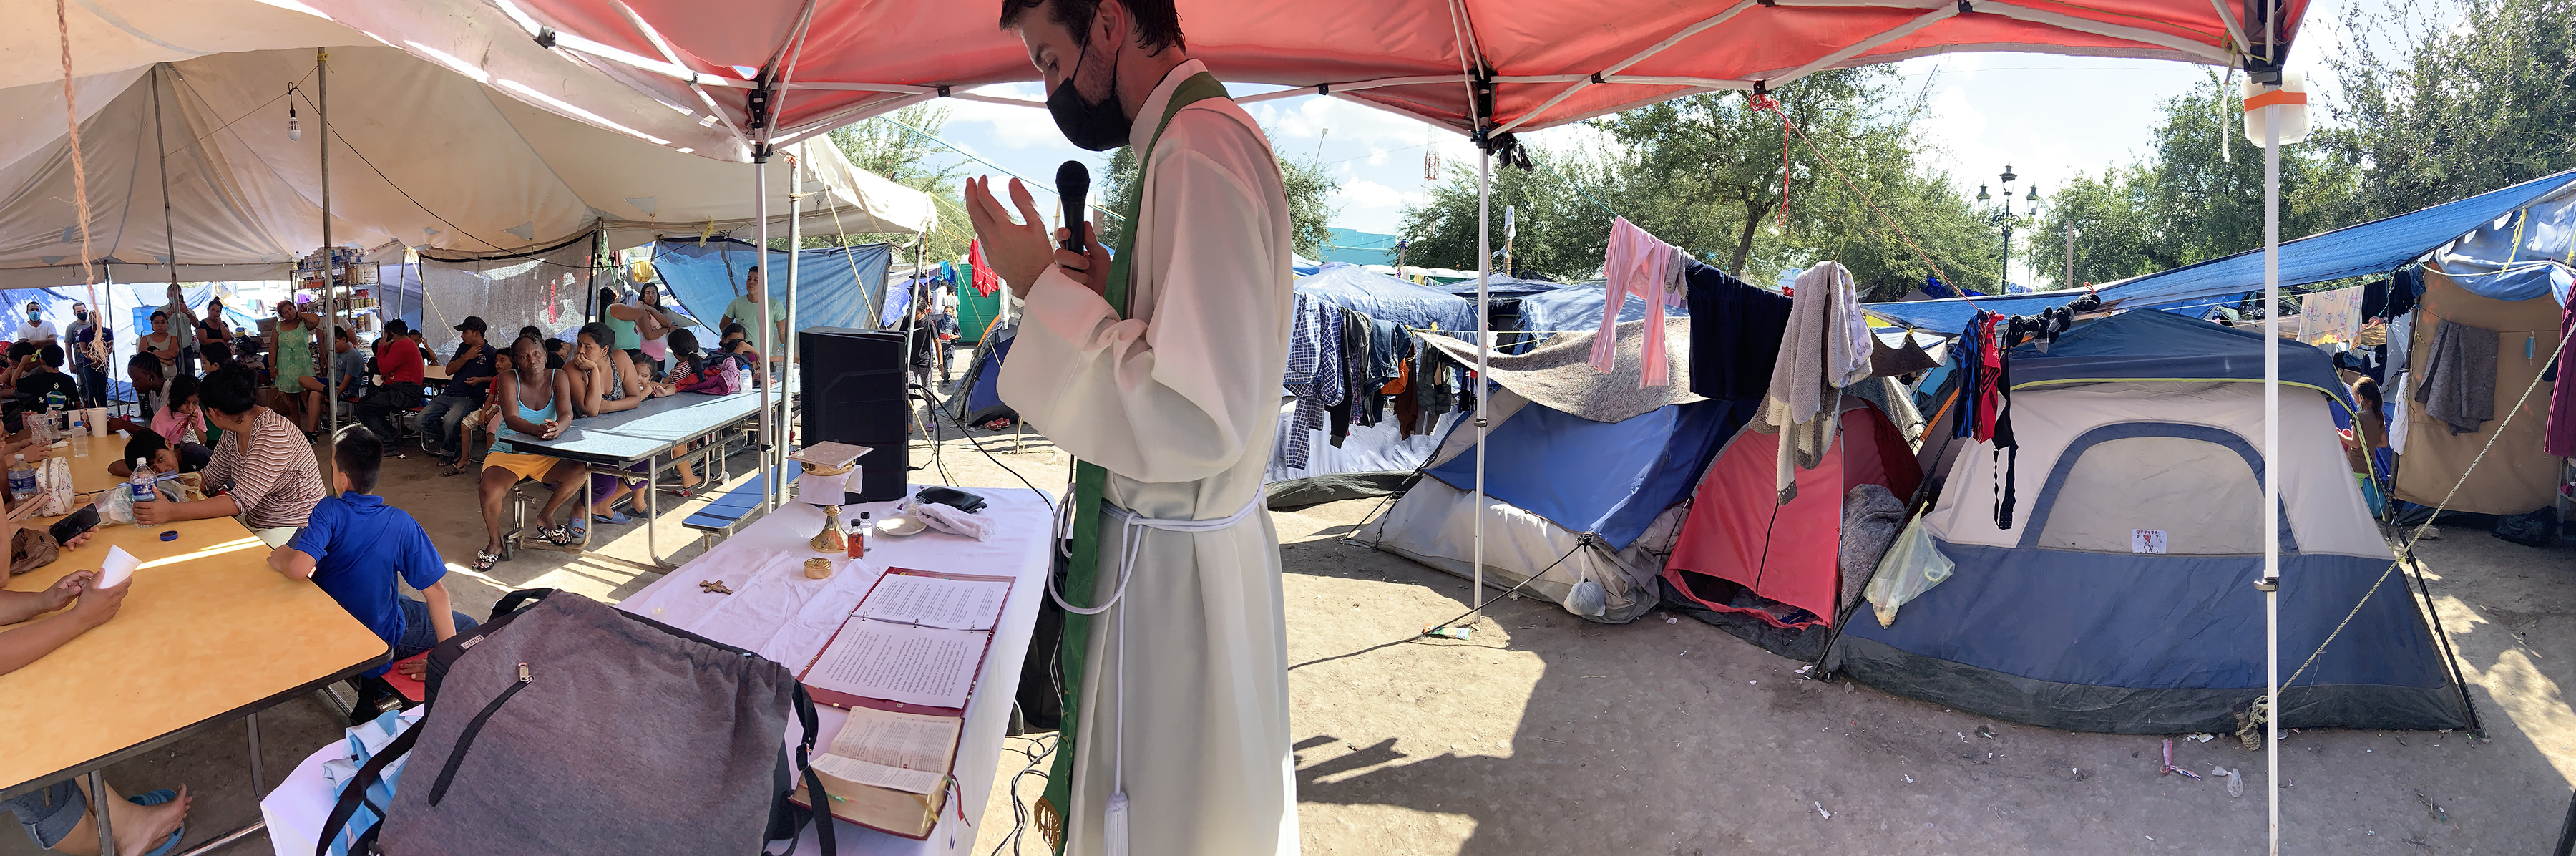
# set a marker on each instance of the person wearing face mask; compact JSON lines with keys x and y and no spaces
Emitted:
{"x":37,"y":330}
{"x":1159,"y":371}
{"x":92,"y":343}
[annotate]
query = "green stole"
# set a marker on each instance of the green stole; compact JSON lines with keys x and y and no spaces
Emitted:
{"x":1089,"y":494}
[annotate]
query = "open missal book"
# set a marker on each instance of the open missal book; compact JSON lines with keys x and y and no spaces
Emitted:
{"x":903,"y":665}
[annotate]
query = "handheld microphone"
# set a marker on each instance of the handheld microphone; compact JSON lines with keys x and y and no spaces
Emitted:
{"x":1072,"y":184}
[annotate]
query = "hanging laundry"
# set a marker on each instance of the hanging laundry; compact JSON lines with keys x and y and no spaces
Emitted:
{"x":1887,"y":360}
{"x":982,"y":275}
{"x":2457,"y":383}
{"x":1635,"y":263}
{"x":1314,"y":376}
{"x":1356,"y":388}
{"x":1819,"y":355}
{"x":1734,"y":333}
{"x":2327,"y":317}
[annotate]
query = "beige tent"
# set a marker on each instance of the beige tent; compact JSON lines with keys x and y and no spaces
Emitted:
{"x":2516,"y":476}
{"x":425,"y":157}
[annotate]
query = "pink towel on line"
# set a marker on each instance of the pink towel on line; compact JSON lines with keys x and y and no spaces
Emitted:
{"x":1636,"y":263}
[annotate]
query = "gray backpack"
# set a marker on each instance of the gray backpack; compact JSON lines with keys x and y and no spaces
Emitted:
{"x":565,"y":726}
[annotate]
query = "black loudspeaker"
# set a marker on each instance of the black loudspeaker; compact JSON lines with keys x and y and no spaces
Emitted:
{"x":853,"y":391}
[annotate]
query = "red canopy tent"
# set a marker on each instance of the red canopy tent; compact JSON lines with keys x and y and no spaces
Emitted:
{"x":732,"y":80}
{"x":821,"y":64}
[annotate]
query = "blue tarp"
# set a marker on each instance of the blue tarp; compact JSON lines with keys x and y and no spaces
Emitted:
{"x":2376,"y":247}
{"x":2150,"y":346}
{"x":1500,"y":287}
{"x":836,"y":286}
{"x":2519,"y":256}
{"x":1386,"y":298}
{"x":1578,"y":307}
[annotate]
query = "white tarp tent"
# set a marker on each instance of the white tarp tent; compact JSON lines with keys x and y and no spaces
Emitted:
{"x":424,"y":157}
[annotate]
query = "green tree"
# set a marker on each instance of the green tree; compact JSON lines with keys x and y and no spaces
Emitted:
{"x":2438,"y":110}
{"x":1704,"y":174}
{"x":2192,"y":200}
{"x":1309,"y":185}
{"x":907,"y":156}
{"x":1562,"y":230}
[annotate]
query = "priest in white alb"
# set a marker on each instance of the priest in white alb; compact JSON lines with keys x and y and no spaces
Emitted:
{"x":1160,"y":372}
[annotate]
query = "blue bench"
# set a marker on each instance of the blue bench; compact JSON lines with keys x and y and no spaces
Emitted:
{"x":727,"y":509}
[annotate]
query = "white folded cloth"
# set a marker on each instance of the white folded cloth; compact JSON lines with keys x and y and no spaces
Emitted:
{"x":949,"y":519}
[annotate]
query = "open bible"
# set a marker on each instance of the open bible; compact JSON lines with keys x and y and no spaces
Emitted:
{"x":903,"y":667}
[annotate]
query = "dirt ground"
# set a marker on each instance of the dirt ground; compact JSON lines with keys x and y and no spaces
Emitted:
{"x":1548,"y":734}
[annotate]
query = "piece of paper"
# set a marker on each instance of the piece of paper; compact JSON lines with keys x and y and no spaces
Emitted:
{"x":904,"y":751}
{"x":936,"y":601}
{"x":901,"y":663}
{"x":2146,"y":540}
{"x":117,"y":567}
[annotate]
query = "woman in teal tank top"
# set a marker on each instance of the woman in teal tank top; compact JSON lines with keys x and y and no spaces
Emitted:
{"x":528,"y":382}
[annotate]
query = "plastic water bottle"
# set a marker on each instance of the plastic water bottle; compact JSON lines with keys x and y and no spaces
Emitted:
{"x":80,"y":435}
{"x":139,"y":485}
{"x":22,"y":480}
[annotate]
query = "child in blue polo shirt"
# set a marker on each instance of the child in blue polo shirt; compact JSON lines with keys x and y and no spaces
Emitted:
{"x":356,"y":548}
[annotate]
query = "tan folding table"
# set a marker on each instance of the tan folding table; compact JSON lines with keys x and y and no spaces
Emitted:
{"x":209,"y":634}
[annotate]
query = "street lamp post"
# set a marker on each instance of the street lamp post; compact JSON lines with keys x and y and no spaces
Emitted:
{"x":2004,"y":216}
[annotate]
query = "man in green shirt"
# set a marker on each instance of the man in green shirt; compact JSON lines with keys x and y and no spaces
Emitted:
{"x":747,"y":307}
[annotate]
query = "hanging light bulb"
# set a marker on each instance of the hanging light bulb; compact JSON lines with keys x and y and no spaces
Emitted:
{"x":294,"y":130}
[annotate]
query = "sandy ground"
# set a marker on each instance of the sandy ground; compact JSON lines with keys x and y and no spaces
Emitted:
{"x":1549,"y":734}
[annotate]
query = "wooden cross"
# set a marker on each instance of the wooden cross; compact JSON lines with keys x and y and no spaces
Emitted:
{"x":713,"y":587}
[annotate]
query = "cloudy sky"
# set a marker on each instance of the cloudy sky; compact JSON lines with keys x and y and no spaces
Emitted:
{"x":2049,"y":117}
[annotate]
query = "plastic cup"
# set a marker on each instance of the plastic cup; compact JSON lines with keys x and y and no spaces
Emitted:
{"x":97,"y":418}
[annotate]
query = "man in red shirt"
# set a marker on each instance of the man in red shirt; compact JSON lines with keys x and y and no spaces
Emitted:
{"x":400,"y":365}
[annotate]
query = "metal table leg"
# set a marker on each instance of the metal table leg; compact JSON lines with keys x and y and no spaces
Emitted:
{"x":258,"y":782}
{"x":98,"y":811}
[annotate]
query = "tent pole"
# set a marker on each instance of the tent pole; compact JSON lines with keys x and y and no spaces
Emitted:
{"x":169,"y":238}
{"x":330,"y":271}
{"x":2271,"y":469}
{"x":795,"y":244}
{"x":1485,"y":339}
{"x":768,"y":426}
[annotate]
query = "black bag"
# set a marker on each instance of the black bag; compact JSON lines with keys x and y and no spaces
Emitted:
{"x":1041,"y":692}
{"x":566,"y":726}
{"x":2537,"y":529}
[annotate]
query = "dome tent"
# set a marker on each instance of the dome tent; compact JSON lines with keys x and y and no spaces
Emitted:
{"x":2117,"y":597}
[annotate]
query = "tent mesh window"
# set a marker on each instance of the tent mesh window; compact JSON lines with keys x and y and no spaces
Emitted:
{"x":2200,"y":495}
{"x":509,"y":293}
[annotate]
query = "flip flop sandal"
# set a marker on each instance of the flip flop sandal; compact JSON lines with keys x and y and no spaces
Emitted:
{"x":164,"y":795}
{"x":456,"y":468}
{"x":614,"y":518}
{"x":560,"y":536}
{"x":485,"y":562}
{"x":681,"y":492}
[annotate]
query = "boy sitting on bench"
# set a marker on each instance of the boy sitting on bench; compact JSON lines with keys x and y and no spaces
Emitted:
{"x":355,"y":547}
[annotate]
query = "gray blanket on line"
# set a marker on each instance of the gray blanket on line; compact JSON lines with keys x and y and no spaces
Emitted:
{"x":1556,"y":373}
{"x":2457,"y":385}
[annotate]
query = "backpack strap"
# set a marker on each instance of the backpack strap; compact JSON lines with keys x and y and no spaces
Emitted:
{"x":355,"y":792}
{"x":821,"y":815}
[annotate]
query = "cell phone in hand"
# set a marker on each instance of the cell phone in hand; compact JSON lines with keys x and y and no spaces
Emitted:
{"x":75,"y":523}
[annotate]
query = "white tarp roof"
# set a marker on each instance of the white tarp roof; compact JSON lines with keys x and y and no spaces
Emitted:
{"x":427,"y":156}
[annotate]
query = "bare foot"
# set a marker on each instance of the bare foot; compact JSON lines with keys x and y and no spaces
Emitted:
{"x":141,"y":829}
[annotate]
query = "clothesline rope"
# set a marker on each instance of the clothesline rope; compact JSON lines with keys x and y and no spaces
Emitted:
{"x":71,"y":120}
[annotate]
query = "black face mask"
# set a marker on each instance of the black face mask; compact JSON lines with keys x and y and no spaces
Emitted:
{"x":1098,"y":126}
